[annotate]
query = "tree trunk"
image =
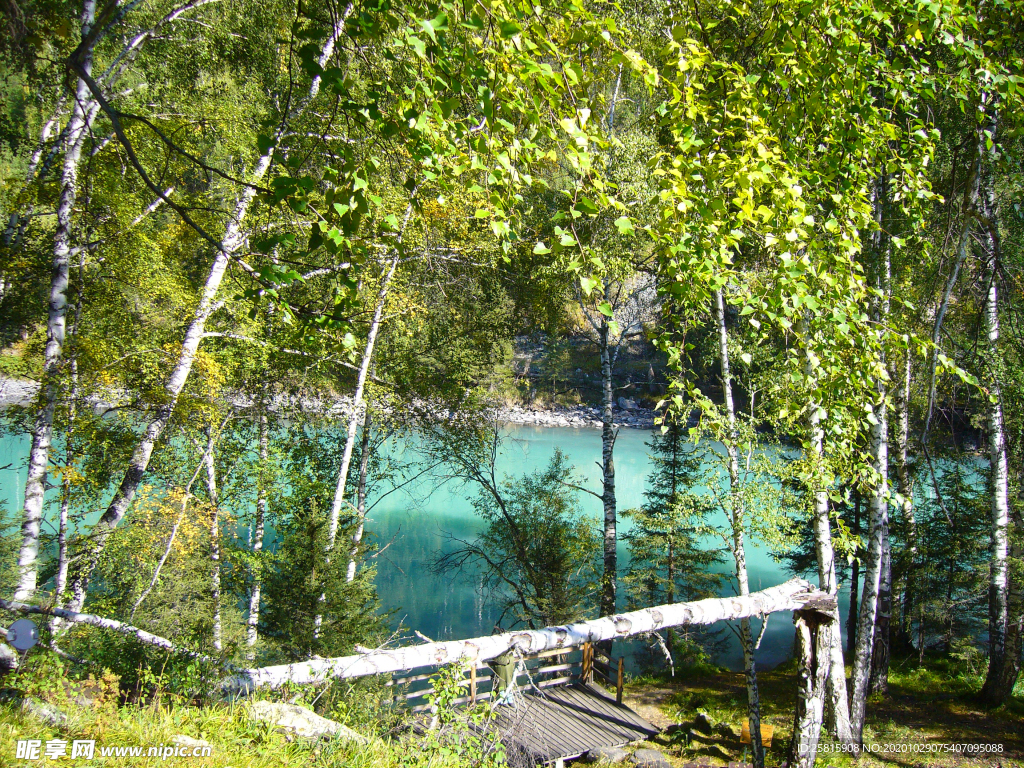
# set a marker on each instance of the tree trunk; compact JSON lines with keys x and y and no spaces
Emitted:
{"x":608,"y":434}
{"x":357,"y":407}
{"x":836,"y":704}
{"x":60,"y":581}
{"x":42,"y":430}
{"x":851,"y":619}
{"x":211,"y":489}
{"x":793,"y":595}
{"x":252,"y":621}
{"x":736,"y":514}
{"x":994,"y":690}
{"x":906,"y":503}
{"x":880,"y":654}
{"x":878,"y":509}
{"x":364,"y":463}
{"x":231,"y":243}
{"x":812,"y":652}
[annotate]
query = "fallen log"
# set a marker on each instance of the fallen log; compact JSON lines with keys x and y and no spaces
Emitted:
{"x":141,"y":635}
{"x":793,"y":595}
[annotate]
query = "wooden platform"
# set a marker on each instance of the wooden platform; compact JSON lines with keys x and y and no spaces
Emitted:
{"x":566,"y":721}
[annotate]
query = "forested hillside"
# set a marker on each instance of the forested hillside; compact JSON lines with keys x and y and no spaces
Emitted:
{"x":265,"y":264}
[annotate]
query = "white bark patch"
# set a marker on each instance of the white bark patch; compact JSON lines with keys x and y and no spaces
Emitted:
{"x":793,"y":595}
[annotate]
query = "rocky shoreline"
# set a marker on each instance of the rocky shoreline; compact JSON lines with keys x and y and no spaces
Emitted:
{"x":579,"y":416}
{"x":626,"y":414}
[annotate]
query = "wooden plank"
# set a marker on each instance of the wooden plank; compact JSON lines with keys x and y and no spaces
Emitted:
{"x":553,"y":668}
{"x":550,"y":653}
{"x":554,"y":681}
{"x":618,"y":684}
{"x":568,"y":720}
{"x":418,"y":678}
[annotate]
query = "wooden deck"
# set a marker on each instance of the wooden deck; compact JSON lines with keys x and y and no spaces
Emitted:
{"x":558,"y":711}
{"x":566,"y":721}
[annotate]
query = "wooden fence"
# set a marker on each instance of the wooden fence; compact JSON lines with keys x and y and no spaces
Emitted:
{"x":537,"y":670}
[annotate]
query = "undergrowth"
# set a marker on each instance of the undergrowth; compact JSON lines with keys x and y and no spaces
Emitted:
{"x":96,"y":707}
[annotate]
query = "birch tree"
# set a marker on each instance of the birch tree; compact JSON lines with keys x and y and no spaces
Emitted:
{"x":229,"y":245}
{"x":85,"y":105}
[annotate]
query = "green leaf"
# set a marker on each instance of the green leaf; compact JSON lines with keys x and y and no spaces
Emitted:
{"x":418,"y":45}
{"x":510,"y":29}
{"x":605,"y":309}
{"x":625,"y":225}
{"x":540,"y":249}
{"x":264,"y":143}
{"x":588,"y":285}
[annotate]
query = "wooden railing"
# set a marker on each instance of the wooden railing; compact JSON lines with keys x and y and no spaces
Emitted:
{"x":541,"y":670}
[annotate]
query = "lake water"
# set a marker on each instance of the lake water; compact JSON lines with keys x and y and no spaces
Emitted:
{"x":417,"y":523}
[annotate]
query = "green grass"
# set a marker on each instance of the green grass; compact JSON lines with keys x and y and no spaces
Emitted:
{"x":933,"y":704}
{"x":237,"y":739}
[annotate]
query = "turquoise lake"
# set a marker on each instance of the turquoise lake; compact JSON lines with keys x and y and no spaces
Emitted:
{"x":417,"y":523}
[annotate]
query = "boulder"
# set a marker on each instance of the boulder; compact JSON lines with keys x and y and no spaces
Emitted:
{"x":45,"y":712}
{"x":650,"y":758}
{"x":189,"y":742}
{"x":607,"y":755}
{"x":294,"y":720}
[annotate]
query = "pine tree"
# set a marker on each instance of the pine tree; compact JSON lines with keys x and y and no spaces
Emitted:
{"x":667,"y":561}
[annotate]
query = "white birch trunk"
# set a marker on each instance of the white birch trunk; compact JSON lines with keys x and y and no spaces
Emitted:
{"x":211,"y":491}
{"x":906,"y":486}
{"x":608,"y":434}
{"x":878,"y":506}
{"x":33,"y":163}
{"x":812,"y":654}
{"x":738,"y":532}
{"x":61,"y":578}
{"x":364,"y":462}
{"x":98,"y":621}
{"x":793,"y":595}
{"x":231,"y":243}
{"x":42,"y":430}
{"x":354,"y":415}
{"x":999,"y":488}
{"x":837,"y":708}
{"x":358,"y":405}
{"x":880,"y":654}
{"x":252,"y":622}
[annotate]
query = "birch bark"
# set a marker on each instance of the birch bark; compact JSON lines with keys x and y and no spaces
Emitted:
{"x":608,"y":434}
{"x":878,"y":507}
{"x":736,"y":514}
{"x":211,"y":491}
{"x":358,"y":405}
{"x":231,"y":243}
{"x":837,"y":708}
{"x":998,"y":622}
{"x":906,"y":501}
{"x":252,"y":621}
{"x":42,"y":430}
{"x":364,"y":463}
{"x":793,"y":595}
{"x":812,"y":652}
{"x":880,"y":654}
